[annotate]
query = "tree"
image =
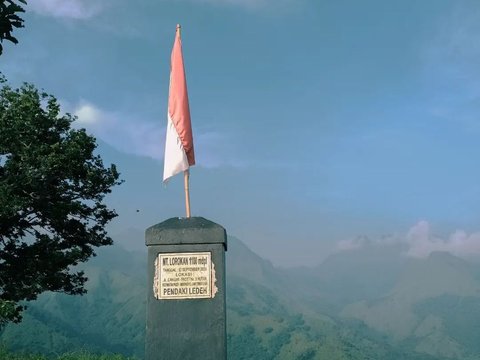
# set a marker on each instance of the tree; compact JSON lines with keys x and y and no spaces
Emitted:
{"x":9,"y":19}
{"x":52,"y":189}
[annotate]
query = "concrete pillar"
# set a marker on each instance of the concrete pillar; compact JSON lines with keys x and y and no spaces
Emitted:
{"x":186,"y":312}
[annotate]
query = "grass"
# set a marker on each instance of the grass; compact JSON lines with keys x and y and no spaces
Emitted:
{"x":82,"y":355}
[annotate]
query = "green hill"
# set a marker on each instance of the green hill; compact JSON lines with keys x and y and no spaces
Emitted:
{"x":412,"y":314}
{"x":110,"y":318}
{"x":342,"y":309}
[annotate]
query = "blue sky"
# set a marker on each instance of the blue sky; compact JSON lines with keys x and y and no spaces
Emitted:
{"x":314,"y":121}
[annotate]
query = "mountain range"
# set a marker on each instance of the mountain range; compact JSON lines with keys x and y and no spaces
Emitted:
{"x":372,"y":302}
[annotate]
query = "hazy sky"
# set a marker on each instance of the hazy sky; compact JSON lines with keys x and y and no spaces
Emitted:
{"x":314,"y":120}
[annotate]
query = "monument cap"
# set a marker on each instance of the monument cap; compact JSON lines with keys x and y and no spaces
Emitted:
{"x":193,"y":230}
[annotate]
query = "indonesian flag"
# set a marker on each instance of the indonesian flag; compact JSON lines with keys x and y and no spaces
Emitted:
{"x":179,"y":154}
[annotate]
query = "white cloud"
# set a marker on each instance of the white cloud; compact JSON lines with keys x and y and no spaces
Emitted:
{"x":420,"y":242}
{"x":88,"y":114}
{"x":349,"y":244}
{"x":125,"y":133}
{"x":129,"y":134}
{"x":73,"y":9}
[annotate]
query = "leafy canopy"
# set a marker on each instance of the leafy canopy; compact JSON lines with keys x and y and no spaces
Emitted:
{"x":9,"y":19}
{"x":52,"y":189}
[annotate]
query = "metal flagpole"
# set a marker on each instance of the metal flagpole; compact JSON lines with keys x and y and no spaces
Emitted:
{"x":186,"y":173}
{"x":186,"y":177}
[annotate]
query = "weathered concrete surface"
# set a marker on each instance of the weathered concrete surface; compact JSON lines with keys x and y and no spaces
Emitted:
{"x":187,"y":328}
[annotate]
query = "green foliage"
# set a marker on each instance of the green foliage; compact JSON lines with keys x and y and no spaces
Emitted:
{"x":80,"y":355}
{"x":246,"y":345}
{"x":83,"y":355}
{"x":307,"y":354}
{"x":262,"y":323}
{"x":109,"y":318}
{"x":9,"y":19}
{"x":52,"y":188}
{"x":460,"y":317}
{"x":7,"y":311}
{"x":268,"y":330}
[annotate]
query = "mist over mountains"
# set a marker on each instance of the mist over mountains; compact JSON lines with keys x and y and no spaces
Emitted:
{"x":368,"y":302}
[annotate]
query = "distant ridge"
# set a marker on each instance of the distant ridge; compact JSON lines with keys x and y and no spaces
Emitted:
{"x":358,"y":304}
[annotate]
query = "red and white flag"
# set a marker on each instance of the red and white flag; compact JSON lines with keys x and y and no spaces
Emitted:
{"x":179,"y":154}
